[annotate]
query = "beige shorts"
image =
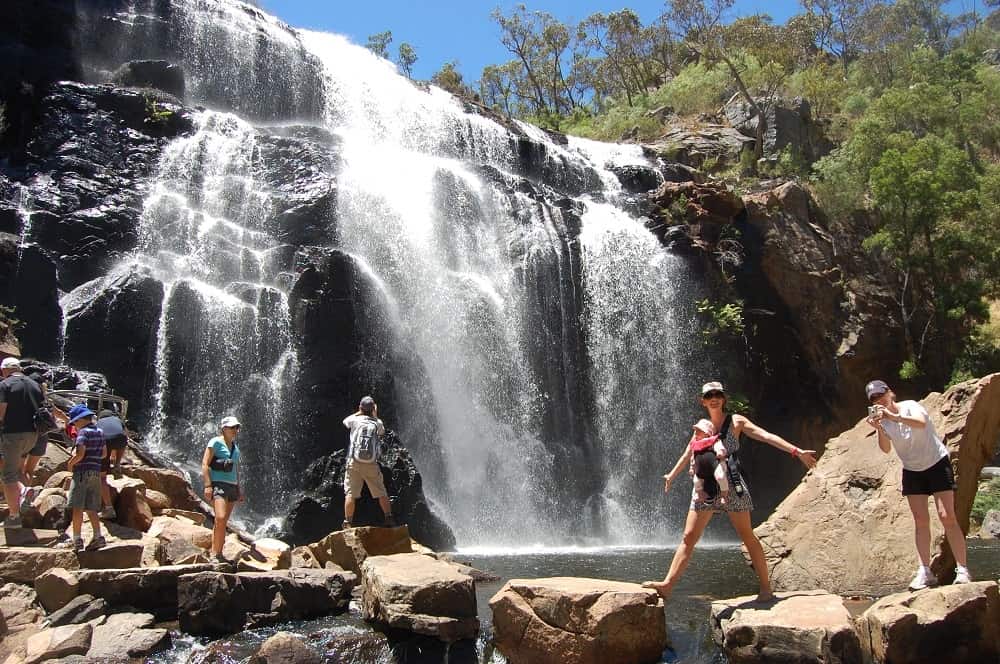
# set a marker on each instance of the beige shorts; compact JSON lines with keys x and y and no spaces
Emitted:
{"x":358,"y":473}
{"x":14,"y":447}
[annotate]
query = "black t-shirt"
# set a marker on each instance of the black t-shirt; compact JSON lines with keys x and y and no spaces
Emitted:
{"x":23,"y":397}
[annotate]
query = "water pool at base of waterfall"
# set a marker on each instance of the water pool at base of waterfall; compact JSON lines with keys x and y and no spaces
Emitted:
{"x":717,"y":571}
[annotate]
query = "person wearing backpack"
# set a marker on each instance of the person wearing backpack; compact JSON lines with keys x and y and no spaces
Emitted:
{"x":221,"y":476}
{"x":362,"y":468}
{"x":20,"y":399}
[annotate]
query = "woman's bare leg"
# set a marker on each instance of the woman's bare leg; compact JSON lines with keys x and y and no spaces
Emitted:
{"x":741,"y":522}
{"x":945,"y":502}
{"x":693,"y":529}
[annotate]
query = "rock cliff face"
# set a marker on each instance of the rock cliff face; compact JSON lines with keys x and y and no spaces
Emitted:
{"x":847,"y":527}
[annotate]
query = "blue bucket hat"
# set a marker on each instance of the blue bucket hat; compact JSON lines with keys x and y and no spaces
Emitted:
{"x":79,"y":411}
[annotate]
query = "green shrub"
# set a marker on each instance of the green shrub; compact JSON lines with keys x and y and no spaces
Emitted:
{"x":987,"y":498}
{"x":695,"y":89}
{"x":724,"y":319}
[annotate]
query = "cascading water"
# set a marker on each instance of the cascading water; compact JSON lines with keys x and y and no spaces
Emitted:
{"x":550,"y":325}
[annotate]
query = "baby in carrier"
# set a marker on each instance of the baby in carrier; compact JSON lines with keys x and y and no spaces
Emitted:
{"x":708,"y":463}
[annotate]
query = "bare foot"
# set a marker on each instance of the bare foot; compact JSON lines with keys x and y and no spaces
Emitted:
{"x":661,"y":587}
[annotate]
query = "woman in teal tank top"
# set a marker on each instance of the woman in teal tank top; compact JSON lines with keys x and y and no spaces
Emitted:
{"x":220,"y":472}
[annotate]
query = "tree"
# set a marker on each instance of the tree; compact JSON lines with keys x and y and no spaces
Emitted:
{"x":450,"y":79}
{"x":406,"y":57}
{"x":498,"y":87}
{"x":379,"y":43}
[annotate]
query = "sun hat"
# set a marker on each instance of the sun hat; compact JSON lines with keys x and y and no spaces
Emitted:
{"x":705,"y":426}
{"x":10,"y":363}
{"x":78,"y":412}
{"x":714,"y":386}
{"x":230,"y":421}
{"x":875,"y":387}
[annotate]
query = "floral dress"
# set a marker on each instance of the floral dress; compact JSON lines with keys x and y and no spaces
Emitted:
{"x":735,"y":502}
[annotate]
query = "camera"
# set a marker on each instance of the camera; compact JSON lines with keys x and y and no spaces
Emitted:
{"x":873,"y":412}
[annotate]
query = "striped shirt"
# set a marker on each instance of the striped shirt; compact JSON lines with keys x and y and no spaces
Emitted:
{"x":91,"y":438}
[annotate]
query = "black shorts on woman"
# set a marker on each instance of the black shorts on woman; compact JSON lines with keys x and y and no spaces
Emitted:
{"x":939,"y":477}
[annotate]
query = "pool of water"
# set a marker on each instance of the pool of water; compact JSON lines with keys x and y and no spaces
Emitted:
{"x":716,"y":571}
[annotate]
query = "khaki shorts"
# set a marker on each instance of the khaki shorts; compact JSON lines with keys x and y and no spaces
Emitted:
{"x":358,"y":473}
{"x":85,"y":491}
{"x":14,"y":447}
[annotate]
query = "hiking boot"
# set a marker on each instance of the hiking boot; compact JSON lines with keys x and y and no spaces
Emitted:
{"x":923,"y":579}
{"x":12,"y":521}
{"x":78,"y":544}
{"x":962,"y":575}
{"x":389,"y":521}
{"x":97,"y":543}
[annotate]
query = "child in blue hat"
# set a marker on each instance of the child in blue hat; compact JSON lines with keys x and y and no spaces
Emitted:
{"x":85,"y":490}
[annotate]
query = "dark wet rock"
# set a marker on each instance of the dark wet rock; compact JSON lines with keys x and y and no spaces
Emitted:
{"x":158,"y":74}
{"x":637,"y":179}
{"x":28,"y":284}
{"x":286,"y":648}
{"x":80,"y":609}
{"x":321,"y":510}
{"x":220,"y":603}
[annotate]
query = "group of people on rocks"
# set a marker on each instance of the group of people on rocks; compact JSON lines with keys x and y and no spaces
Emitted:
{"x":99,"y":444}
{"x":719,"y":485}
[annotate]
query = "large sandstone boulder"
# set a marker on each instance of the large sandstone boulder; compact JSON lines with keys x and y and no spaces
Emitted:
{"x":23,"y":564}
{"x":991,"y":525}
{"x":114,"y":555}
{"x":414,"y":592}
{"x":265,"y":555}
{"x":27,"y":536}
{"x":848,"y":529}
{"x":349,"y":548}
{"x":812,"y":626}
{"x":939,"y":625}
{"x":172,"y":483}
{"x":169,"y":530}
{"x":708,"y":147}
{"x":131,"y":634}
{"x":586,"y":621}
{"x":58,"y":642}
{"x":212,"y":603}
{"x":80,"y":609}
{"x":19,"y":605}
{"x":55,"y":588}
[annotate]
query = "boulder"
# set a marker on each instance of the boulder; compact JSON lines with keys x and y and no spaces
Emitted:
{"x":131,"y":634}
{"x":991,"y":525}
{"x":27,"y":537}
{"x":181,"y":552}
{"x":349,"y":548}
{"x":286,"y":648}
{"x":578,"y":620}
{"x":172,"y":483}
{"x":789,"y":124}
{"x":416,"y":593}
{"x":265,"y":555}
{"x":22,"y":564}
{"x":810,"y":626}
{"x":159,"y":501}
{"x":707,"y":208}
{"x":52,"y":462}
{"x":847,"y":528}
{"x":114,"y":555}
{"x":708,"y":148}
{"x":80,"y":609}
{"x":132,"y":508}
{"x":220,"y":603}
{"x":169,"y":530}
{"x":58,"y":642}
{"x":233,"y":549}
{"x":19,"y":605}
{"x":152,"y":589}
{"x":302,"y":556}
{"x":197,"y":518}
{"x":944,"y":624}
{"x":49,"y":510}
{"x":56,"y":588}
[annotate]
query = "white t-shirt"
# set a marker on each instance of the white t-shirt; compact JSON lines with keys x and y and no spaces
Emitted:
{"x":918,"y":449}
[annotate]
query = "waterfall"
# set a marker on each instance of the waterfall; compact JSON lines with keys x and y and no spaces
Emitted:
{"x":553,"y":336}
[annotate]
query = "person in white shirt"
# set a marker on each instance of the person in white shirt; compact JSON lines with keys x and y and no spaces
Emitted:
{"x":363,"y":468}
{"x":927,"y":471}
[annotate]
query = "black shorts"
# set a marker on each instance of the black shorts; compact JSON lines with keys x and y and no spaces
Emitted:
{"x":939,"y":477}
{"x":230,"y":492}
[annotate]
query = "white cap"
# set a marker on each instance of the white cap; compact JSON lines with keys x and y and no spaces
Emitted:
{"x":230,"y":421}
{"x":714,"y":386}
{"x":10,"y":363}
{"x":705,"y":426}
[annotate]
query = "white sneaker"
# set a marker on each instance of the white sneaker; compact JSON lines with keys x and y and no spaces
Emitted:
{"x":923,"y":579}
{"x":962,"y":575}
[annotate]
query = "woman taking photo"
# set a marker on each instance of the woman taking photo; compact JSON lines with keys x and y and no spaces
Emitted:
{"x":220,"y":473}
{"x":737,"y":507}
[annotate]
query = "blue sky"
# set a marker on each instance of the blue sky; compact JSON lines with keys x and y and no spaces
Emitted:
{"x":443,"y":30}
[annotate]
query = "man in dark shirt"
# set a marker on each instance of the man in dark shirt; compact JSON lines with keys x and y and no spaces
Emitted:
{"x":20,"y":398}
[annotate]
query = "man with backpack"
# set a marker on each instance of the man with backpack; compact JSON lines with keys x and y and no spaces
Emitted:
{"x":362,"y":461}
{"x":20,"y":399}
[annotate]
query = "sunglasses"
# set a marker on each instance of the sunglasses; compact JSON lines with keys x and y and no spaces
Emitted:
{"x":714,"y":394}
